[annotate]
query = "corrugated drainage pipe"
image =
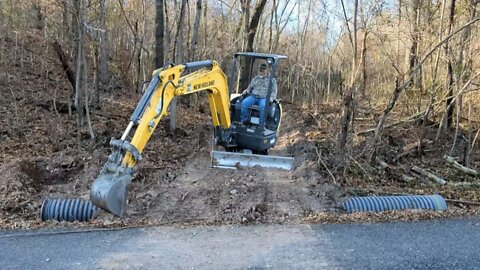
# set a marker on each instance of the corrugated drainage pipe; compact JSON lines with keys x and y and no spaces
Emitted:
{"x":386,"y":203}
{"x":68,"y":210}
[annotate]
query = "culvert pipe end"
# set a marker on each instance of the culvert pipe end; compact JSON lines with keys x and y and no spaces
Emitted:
{"x":68,"y":210}
{"x":388,"y":203}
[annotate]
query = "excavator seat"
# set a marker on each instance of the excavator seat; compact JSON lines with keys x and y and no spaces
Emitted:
{"x":254,"y":113}
{"x":273,"y":114}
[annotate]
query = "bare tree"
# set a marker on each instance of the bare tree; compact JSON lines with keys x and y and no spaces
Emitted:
{"x":415,"y":36}
{"x":65,"y":22}
{"x":103,"y":59}
{"x":179,"y":52}
{"x":159,"y":34}
{"x":196,"y":27}
{"x":245,"y":20}
{"x":449,"y":106}
{"x":79,"y":50}
{"x":347,"y":101}
{"x":400,"y":87}
{"x":252,"y":30}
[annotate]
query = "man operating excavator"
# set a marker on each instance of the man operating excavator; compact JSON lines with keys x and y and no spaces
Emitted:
{"x":257,"y":92}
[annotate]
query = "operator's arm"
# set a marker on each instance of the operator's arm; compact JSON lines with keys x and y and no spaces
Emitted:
{"x":249,"y":88}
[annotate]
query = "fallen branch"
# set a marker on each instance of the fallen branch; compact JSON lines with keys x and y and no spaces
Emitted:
{"x":320,"y":160}
{"x":430,"y":175}
{"x":361,"y":168}
{"x":407,"y":179}
{"x":465,"y":184}
{"x":185,"y":195}
{"x":460,"y":167}
{"x":463,"y":202}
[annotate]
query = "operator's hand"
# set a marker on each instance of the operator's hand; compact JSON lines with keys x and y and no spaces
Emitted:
{"x":245,"y":92}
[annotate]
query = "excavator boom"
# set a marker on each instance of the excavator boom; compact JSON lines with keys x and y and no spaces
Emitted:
{"x":109,"y":190}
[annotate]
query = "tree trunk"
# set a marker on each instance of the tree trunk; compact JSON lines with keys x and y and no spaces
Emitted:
{"x":85,"y":92}
{"x":159,"y":34}
{"x":79,"y":97}
{"x":96,"y":83}
{"x":363,"y":60}
{"x":65,"y":23}
{"x":168,"y":31}
{"x":103,"y":59}
{"x":205,"y":25}
{"x":450,"y":107}
{"x":252,"y":30}
{"x":347,"y":112}
{"x":413,"y":53}
{"x":270,"y":30}
{"x":196,"y":27}
{"x":464,"y":40}
{"x":39,"y":22}
{"x":348,"y":98}
{"x":178,"y":60}
{"x":245,"y":5}
{"x":66,"y":66}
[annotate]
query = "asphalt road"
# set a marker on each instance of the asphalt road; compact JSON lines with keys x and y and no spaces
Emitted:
{"x":441,"y":244}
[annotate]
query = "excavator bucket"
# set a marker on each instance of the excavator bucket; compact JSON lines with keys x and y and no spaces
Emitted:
{"x":232,"y":160}
{"x":109,"y":191}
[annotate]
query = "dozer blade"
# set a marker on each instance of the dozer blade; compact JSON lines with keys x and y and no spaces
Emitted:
{"x":232,"y":160}
{"x":109,"y":191}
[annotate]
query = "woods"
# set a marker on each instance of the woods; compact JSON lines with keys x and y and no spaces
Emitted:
{"x":362,"y":55}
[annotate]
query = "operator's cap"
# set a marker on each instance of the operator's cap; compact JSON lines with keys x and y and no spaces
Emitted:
{"x":262,"y":67}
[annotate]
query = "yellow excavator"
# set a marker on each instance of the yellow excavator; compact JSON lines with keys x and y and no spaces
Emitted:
{"x":245,"y":143}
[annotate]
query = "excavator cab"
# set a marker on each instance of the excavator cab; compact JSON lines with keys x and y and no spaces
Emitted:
{"x":250,"y":140}
{"x":242,"y":73}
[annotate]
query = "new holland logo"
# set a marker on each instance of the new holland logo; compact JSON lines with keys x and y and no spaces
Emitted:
{"x":203,"y":85}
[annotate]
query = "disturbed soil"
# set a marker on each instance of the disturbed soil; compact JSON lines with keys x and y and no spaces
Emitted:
{"x":40,"y":158}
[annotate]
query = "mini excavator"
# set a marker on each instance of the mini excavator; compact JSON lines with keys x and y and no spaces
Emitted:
{"x":245,"y":143}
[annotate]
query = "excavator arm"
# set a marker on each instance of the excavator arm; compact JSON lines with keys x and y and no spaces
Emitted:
{"x":170,"y":84}
{"x":109,"y":190}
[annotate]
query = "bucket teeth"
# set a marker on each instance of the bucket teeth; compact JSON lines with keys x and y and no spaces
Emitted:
{"x":233,"y":160}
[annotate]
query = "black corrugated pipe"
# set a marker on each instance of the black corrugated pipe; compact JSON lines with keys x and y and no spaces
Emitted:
{"x":388,"y":203}
{"x":68,"y":210}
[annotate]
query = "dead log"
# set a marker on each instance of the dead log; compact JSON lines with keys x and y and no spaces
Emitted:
{"x":64,"y":60}
{"x":460,"y":167}
{"x":429,"y":175}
